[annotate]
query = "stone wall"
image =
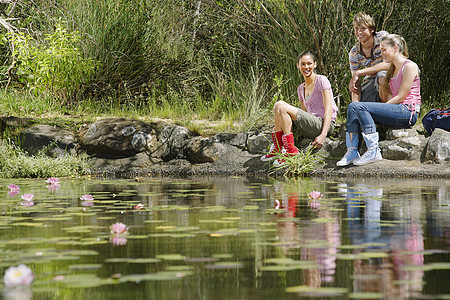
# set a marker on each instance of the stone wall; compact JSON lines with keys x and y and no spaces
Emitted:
{"x":125,"y":144}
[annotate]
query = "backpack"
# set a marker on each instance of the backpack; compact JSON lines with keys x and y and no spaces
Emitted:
{"x":437,"y":118}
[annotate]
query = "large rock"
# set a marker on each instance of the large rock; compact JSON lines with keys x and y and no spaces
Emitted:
{"x":438,"y":147}
{"x":259,"y":144}
{"x":53,"y":140}
{"x":118,"y":137}
{"x":234,"y":139}
{"x":202,"y":150}
{"x":403,"y":148}
{"x":173,"y":140}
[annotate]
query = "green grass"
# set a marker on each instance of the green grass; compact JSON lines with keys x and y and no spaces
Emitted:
{"x":301,"y":164}
{"x":15,"y":163}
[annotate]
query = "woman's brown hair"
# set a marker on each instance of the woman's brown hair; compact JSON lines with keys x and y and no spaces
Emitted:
{"x":392,"y":40}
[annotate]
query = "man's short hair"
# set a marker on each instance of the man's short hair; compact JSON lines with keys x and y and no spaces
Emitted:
{"x":362,"y":18}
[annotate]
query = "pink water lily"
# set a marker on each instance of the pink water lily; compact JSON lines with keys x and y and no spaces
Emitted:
{"x":27,"y":203}
{"x":315,"y":195}
{"x":53,"y":181}
{"x":87,"y":203}
{"x":53,"y":187}
{"x":27,"y":197}
{"x":314,"y":205}
{"x":18,"y":276}
{"x":87,"y":197}
{"x":118,"y":228}
{"x":139,"y":206}
{"x":13,"y":187}
{"x":117,"y":240}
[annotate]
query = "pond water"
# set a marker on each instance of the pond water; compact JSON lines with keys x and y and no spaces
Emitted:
{"x":228,"y":238}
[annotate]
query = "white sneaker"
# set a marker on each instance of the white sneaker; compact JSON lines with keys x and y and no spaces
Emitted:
{"x":351,"y":155}
{"x":371,"y":155}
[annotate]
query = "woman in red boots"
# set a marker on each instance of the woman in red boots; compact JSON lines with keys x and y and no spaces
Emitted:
{"x":316,"y":118}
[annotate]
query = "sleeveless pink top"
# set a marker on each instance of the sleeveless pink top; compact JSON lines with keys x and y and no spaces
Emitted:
{"x":413,"y":98}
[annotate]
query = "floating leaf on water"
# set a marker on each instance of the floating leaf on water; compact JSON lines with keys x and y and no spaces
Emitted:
{"x":137,"y":237}
{"x":408,"y":282}
{"x":133,"y":260}
{"x":366,"y":296}
{"x":374,"y":254}
{"x":251,"y":207}
{"x":85,"y":267}
{"x":330,"y":291}
{"x":165,"y":227}
{"x":144,"y":260}
{"x":29,"y":224}
{"x":350,"y":256}
{"x":225,"y":265}
{"x":201,"y":259}
{"x":223,"y":256}
{"x":160,"y":276}
{"x":428,"y":267}
{"x":352,"y":247}
{"x":282,"y":261}
{"x":374,"y":244}
{"x":287,"y":219}
{"x":324,"y":220}
{"x":280,"y":268}
{"x":171,"y":256}
{"x":84,"y":281}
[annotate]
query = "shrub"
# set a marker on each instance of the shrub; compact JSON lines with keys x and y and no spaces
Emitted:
{"x":55,"y":65}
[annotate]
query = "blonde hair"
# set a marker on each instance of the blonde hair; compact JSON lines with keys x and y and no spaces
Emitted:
{"x":362,"y":18}
{"x":392,"y":40}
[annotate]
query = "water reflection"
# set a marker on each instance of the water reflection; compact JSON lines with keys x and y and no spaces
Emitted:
{"x":240,"y":238}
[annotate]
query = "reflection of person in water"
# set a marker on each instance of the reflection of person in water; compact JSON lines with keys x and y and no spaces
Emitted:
{"x":319,"y":244}
{"x":402,"y":241}
{"x":360,"y":217}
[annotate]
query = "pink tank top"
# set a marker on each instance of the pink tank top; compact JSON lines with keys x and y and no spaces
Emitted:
{"x":413,"y":98}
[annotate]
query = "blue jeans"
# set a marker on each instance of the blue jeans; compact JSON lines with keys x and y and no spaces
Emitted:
{"x":362,"y":116}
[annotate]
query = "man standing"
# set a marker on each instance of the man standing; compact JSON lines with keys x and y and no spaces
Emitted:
{"x":366,"y":62}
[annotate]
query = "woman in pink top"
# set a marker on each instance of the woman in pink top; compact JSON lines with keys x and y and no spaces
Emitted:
{"x":400,"y":110}
{"x":315,"y":118}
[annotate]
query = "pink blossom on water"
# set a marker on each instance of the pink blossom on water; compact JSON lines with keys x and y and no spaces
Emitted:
{"x":315,"y":195}
{"x":118,"y":228}
{"x":87,"y":203}
{"x":27,"y":197}
{"x":27,"y":203}
{"x":314,"y":205}
{"x":117,"y":240}
{"x":53,"y":181}
{"x":139,"y":206}
{"x":87,"y":197}
{"x":18,"y":276}
{"x":53,"y":187}
{"x":13,"y":193}
{"x":13,"y":187}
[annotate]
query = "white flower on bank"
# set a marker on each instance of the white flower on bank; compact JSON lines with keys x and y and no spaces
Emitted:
{"x":18,"y":276}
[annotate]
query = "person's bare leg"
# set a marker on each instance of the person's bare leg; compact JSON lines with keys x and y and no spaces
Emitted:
{"x":284,"y":114}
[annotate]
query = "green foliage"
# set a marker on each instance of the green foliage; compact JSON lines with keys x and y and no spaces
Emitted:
{"x":14,"y":163}
{"x":56,"y":65}
{"x":301,"y":164}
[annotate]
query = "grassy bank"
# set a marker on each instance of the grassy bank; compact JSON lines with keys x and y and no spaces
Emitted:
{"x":14,"y":163}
